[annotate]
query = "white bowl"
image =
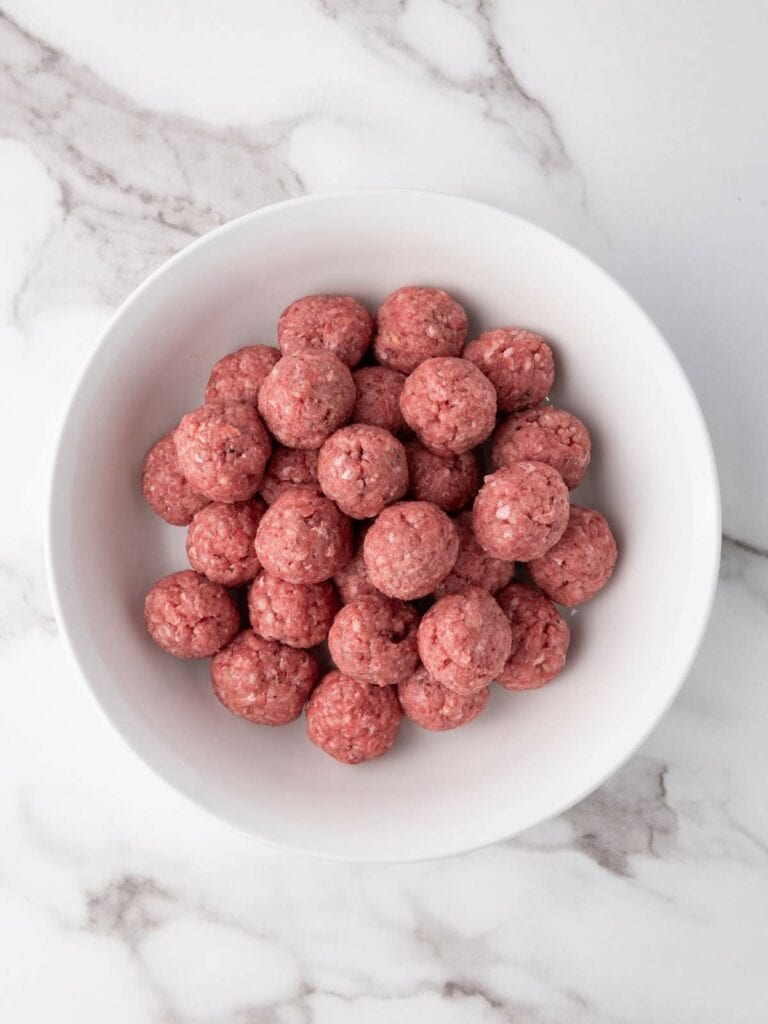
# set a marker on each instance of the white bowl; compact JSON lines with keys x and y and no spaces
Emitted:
{"x":529,"y":756}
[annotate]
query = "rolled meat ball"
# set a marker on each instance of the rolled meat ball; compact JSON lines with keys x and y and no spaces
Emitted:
{"x":238,"y":376}
{"x":373,"y":639}
{"x":220,"y":541}
{"x":546,"y":435}
{"x":377,"y":400}
{"x":165,"y":488}
{"x":518,"y":363}
{"x":449,"y":404}
{"x":448,"y":483}
{"x":540,"y":638}
{"x":353,"y":581}
{"x":223,"y":450}
{"x":303,"y":537}
{"x":353,"y":721}
{"x":521,"y":511}
{"x":265,"y":682}
{"x":414,"y":324}
{"x":189,"y":615}
{"x":336,"y":323}
{"x":288,"y":467}
{"x":410,"y":549}
{"x":581,"y":563}
{"x":362,"y":469}
{"x":436,"y":708}
{"x":297,"y":614}
{"x":306,"y":397}
{"x":474,"y":567}
{"x":464,"y":640}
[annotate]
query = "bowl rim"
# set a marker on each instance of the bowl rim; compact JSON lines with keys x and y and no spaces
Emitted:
{"x":712,"y":511}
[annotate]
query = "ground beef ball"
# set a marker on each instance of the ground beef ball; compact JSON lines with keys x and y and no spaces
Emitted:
{"x":433,"y":706}
{"x":297,"y":614}
{"x":303,"y":538}
{"x":546,"y":435}
{"x":518,"y":363}
{"x":464,"y":640}
{"x":410,"y":549}
{"x":373,"y":639}
{"x":223,"y":450}
{"x":353,"y":581}
{"x":582,"y":561}
{"x":474,"y":567}
{"x":449,"y":404}
{"x":306,"y":397}
{"x":166,"y":488}
{"x":353,"y":721}
{"x":540,"y":638}
{"x":189,"y":615}
{"x":287,"y":467}
{"x":220,"y":541}
{"x":378,"y":398}
{"x":263,"y":681}
{"x":414,"y":324}
{"x":337,"y":323}
{"x":238,"y":376}
{"x":448,"y":483}
{"x":362,"y":469}
{"x":521,"y":511}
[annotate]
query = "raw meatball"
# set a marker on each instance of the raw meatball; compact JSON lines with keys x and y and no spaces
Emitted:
{"x":220,"y":541}
{"x":223,"y":450}
{"x":297,"y":614}
{"x":464,"y":640}
{"x":448,"y":483}
{"x":474,"y":567}
{"x":238,"y":376}
{"x":189,"y":615}
{"x":303,"y":538}
{"x":521,"y":511}
{"x":353,"y":721}
{"x":373,"y":639}
{"x":415,"y":324}
{"x":410,"y":549}
{"x":546,"y":435}
{"x":581,"y":563}
{"x":288,"y":466}
{"x":353,"y":581}
{"x":450,"y":405}
{"x":337,"y":323}
{"x":378,"y":398}
{"x":518,"y":363}
{"x":540,"y":638}
{"x":306,"y":397}
{"x":263,"y":681}
{"x":362,"y":469}
{"x":165,"y":487}
{"x":433,"y":706}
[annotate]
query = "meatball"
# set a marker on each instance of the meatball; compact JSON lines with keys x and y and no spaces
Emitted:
{"x":582,"y":561}
{"x":189,"y":615}
{"x":540,"y":638}
{"x":474,"y":567}
{"x":521,"y":511}
{"x":353,"y":721}
{"x":288,"y":466}
{"x":464,"y":640}
{"x":238,"y":376}
{"x":336,"y":323}
{"x":378,"y":393}
{"x":166,"y":488}
{"x":518,"y":363}
{"x":448,"y":483}
{"x":303,"y":538}
{"x":297,"y":614}
{"x":362,"y":469}
{"x":414,"y":324}
{"x":546,"y":435}
{"x":263,"y":681}
{"x":306,"y":397}
{"x":353,"y":581}
{"x":223,"y":450}
{"x":220,"y":541}
{"x":449,"y":404}
{"x":433,"y":706}
{"x":373,"y":639}
{"x":410,"y":549}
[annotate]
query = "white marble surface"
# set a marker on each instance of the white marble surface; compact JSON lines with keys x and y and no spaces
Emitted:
{"x":638,"y":131}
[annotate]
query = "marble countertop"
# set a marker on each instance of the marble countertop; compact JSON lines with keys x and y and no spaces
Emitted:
{"x":636,"y":131}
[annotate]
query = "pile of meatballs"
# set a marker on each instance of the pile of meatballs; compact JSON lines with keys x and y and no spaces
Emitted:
{"x":335,"y":485}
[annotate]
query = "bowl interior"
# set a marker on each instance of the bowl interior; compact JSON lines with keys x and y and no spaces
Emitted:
{"x":530,"y":755}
